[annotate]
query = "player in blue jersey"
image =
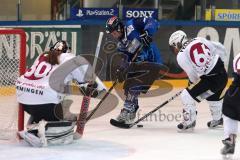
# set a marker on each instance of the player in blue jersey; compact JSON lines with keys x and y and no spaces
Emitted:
{"x":135,"y":40}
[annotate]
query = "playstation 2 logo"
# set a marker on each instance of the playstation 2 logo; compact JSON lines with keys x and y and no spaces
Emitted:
{"x":80,"y":13}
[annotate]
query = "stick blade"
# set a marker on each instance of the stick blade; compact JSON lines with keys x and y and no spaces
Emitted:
{"x":118,"y":124}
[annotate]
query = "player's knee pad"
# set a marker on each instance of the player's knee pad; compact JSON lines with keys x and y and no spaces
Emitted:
{"x":216,"y":109}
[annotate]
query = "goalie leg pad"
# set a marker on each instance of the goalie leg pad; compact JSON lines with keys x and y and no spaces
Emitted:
{"x":35,"y":136}
{"x":31,"y":139}
{"x":49,"y":133}
{"x":59,"y":132}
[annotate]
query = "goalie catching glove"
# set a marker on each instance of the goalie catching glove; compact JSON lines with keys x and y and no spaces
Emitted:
{"x":89,"y":90}
{"x":93,"y":89}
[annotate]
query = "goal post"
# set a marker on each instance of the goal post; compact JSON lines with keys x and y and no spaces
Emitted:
{"x":12,"y":64}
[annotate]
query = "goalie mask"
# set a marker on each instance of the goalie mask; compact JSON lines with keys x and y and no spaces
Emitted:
{"x":61,"y":46}
{"x":114,"y":24}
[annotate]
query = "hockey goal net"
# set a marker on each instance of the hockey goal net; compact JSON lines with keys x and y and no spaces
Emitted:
{"x":12,"y":64}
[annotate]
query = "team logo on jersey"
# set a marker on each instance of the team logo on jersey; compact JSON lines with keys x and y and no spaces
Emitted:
{"x":200,"y":54}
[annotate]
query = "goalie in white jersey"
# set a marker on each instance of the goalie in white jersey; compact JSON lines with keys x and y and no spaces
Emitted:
{"x":231,"y":110}
{"x":43,"y":103}
{"x":201,"y":61}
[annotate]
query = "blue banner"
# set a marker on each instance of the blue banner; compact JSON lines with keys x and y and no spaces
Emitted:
{"x":93,"y":13}
{"x":129,"y":13}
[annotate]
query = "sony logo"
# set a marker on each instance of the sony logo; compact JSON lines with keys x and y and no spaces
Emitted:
{"x":136,"y":14}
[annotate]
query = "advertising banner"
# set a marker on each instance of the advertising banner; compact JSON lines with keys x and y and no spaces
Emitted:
{"x":223,"y":14}
{"x":41,"y":37}
{"x":93,"y":13}
{"x":129,"y":13}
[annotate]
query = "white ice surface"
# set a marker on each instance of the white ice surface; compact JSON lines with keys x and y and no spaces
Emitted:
{"x":158,"y":139}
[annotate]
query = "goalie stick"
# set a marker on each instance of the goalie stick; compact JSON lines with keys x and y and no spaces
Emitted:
{"x":126,"y":126}
{"x":81,"y":121}
{"x":82,"y":117}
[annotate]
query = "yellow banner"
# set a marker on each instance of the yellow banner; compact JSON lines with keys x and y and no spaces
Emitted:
{"x":208,"y":15}
{"x":224,"y":14}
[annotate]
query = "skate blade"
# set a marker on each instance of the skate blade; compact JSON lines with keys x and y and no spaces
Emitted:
{"x":189,"y":130}
{"x":120,"y":124}
{"x":216,"y":127}
{"x":227,"y":157}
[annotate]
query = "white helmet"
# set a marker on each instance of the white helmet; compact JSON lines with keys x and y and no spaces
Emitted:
{"x":177,"y":37}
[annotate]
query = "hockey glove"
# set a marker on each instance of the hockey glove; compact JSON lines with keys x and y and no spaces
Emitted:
{"x":146,"y":39}
{"x":90,"y":90}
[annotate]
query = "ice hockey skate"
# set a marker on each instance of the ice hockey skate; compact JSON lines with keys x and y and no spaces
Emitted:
{"x":189,"y":121}
{"x":229,"y":146}
{"x":125,"y":118}
{"x":186,"y":127}
{"x":215,"y":123}
{"x":216,"y":112}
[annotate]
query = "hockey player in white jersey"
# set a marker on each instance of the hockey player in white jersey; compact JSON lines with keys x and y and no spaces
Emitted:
{"x":201,"y":61}
{"x":231,"y":110}
{"x":46,"y":124}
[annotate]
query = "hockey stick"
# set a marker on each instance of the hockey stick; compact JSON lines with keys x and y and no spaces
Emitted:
{"x":99,"y":104}
{"x":82,"y":117}
{"x":114,"y":84}
{"x":109,"y":91}
{"x":126,"y":126}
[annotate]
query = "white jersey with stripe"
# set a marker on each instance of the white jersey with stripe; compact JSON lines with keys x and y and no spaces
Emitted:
{"x":33,"y":87}
{"x":198,"y":57}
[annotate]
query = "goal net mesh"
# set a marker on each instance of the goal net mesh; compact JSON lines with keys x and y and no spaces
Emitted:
{"x":11,"y":63}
